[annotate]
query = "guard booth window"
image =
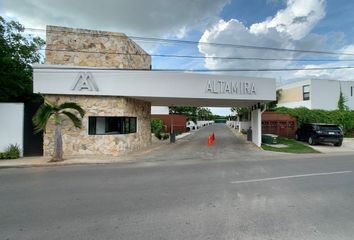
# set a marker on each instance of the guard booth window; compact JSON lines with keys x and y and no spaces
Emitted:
{"x":111,"y":125}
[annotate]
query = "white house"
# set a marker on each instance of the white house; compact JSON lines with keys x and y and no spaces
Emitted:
{"x":316,"y":94}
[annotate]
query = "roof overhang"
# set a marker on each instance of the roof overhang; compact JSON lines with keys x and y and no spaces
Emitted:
{"x":161,"y":88}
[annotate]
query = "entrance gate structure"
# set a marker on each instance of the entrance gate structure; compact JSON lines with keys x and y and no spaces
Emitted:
{"x":86,"y":67}
{"x":159,"y":88}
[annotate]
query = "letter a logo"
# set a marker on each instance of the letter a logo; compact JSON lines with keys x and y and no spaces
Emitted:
{"x":85,"y":81}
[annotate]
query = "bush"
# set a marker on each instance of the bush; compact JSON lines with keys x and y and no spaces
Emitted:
{"x":304,"y":115}
{"x":12,"y":152}
{"x":156,"y":126}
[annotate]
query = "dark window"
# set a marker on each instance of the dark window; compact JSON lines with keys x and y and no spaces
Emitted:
{"x":306,"y":92}
{"x":132,"y":124}
{"x":111,"y":125}
{"x":328,"y":128}
{"x":92,"y":125}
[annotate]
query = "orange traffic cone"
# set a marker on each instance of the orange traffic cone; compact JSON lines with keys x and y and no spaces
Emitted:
{"x":210,"y":141}
{"x":213,"y":137}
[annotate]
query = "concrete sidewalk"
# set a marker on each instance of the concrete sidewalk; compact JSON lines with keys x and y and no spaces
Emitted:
{"x":347,"y":147}
{"x":68,"y":160}
{"x":91,"y":159}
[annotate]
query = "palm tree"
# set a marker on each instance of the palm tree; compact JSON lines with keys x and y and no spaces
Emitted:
{"x":48,"y":110}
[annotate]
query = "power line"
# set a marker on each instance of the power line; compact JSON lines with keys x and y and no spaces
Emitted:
{"x":212,"y":57}
{"x":200,"y":57}
{"x":165,"y":40}
{"x":199,"y":70}
{"x":243,"y":46}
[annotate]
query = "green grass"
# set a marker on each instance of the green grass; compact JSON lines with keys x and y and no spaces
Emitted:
{"x":293,"y":146}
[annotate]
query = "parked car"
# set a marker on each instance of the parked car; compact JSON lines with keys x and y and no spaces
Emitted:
{"x":315,"y":133}
{"x":190,"y":125}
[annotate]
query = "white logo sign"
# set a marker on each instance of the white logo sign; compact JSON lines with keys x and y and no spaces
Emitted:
{"x":230,"y":87}
{"x":85,"y":81}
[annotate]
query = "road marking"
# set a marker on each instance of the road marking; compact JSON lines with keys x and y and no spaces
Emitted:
{"x":291,"y":176}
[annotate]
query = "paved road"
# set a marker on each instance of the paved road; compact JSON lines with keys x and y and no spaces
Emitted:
{"x":195,"y":148}
{"x":213,"y":198}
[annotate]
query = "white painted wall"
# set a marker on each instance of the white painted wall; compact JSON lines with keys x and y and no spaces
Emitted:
{"x":255,"y":124}
{"x":243,"y":126}
{"x":256,"y":119}
{"x":324,"y":94}
{"x":160,"y":110}
{"x":201,"y":123}
{"x":11,"y":125}
{"x":232,"y":124}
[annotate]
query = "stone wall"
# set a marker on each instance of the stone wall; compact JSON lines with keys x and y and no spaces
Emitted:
{"x":91,"y":48}
{"x":83,"y":47}
{"x":78,"y":142}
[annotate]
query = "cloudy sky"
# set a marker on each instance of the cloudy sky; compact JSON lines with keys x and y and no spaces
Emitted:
{"x":325,"y":25}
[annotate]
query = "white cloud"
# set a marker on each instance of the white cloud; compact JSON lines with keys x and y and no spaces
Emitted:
{"x":290,"y":28}
{"x":135,"y":17}
{"x":235,"y":32}
{"x":340,"y":74}
{"x":297,"y":19}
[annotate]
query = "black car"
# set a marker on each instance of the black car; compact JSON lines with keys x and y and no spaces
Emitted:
{"x":315,"y":133}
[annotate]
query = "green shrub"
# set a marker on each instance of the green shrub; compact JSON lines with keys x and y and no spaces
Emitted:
{"x":12,"y":152}
{"x":156,"y":126}
{"x":304,"y":115}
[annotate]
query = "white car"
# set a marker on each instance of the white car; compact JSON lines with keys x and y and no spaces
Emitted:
{"x":190,"y":125}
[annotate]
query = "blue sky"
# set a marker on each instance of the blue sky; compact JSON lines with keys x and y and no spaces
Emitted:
{"x":296,"y":24}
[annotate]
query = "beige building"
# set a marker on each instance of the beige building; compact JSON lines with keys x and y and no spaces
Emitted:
{"x":112,"y":124}
{"x":316,"y":94}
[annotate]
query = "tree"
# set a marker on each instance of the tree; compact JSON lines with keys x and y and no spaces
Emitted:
{"x":204,"y":114}
{"x":273,"y":105}
{"x":193,"y":113}
{"x":190,"y":112}
{"x":241,"y":112}
{"x":17,"y":52}
{"x":341,"y":102}
{"x":49,"y":111}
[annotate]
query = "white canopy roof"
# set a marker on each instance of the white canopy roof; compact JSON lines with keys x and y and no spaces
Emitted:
{"x":161,"y":88}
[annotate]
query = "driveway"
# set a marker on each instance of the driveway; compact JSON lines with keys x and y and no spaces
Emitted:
{"x":192,"y":148}
{"x":227,"y":145}
{"x":347,"y":146}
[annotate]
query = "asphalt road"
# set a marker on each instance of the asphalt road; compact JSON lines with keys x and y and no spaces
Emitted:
{"x":217,"y":193}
